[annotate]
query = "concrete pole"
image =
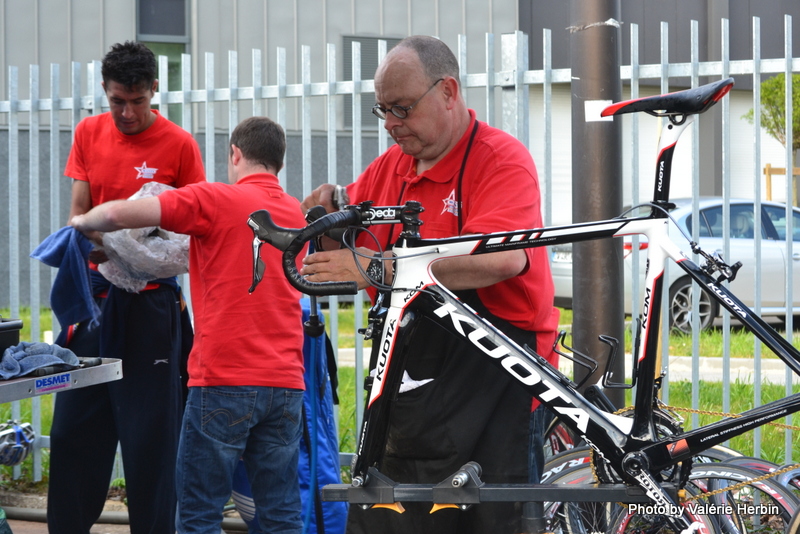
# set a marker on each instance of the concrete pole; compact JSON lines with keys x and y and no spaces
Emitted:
{"x":597,"y":293}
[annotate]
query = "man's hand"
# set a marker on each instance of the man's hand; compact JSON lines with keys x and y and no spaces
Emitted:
{"x":329,"y":196}
{"x":336,"y":266}
{"x":321,"y":196}
{"x":98,"y":256}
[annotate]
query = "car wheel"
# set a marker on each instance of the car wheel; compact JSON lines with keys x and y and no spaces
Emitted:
{"x":680,"y":307}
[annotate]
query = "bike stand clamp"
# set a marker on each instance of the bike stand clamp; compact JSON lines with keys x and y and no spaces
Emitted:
{"x":461,"y":490}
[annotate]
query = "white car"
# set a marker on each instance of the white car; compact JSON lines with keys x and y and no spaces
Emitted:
{"x":774,"y":260}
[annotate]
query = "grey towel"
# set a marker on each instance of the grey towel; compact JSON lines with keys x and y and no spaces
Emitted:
{"x":26,"y":357}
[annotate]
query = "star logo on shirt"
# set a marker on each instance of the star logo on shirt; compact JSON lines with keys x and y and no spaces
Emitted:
{"x":148,"y":173}
{"x":450,"y":204}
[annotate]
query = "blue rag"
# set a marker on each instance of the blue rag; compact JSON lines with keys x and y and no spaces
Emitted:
{"x":26,"y":357}
{"x":71,"y":296}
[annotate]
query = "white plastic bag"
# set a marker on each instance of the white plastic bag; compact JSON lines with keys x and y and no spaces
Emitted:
{"x":139,"y":255}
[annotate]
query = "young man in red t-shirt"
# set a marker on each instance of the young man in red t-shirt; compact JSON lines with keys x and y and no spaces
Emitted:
{"x":112,"y":156}
{"x":246,"y":365}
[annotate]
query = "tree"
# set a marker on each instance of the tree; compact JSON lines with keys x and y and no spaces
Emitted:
{"x":773,"y":113}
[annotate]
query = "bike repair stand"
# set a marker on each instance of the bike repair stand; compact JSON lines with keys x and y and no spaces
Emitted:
{"x":465,"y":488}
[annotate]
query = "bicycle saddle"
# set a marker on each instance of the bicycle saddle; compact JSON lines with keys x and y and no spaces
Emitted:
{"x":687,"y":102}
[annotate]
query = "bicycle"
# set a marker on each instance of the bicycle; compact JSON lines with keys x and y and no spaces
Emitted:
{"x":631,"y":460}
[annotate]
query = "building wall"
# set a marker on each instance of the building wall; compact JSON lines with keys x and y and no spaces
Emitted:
{"x":41,"y":32}
{"x":536,"y":15}
{"x":268,"y":24}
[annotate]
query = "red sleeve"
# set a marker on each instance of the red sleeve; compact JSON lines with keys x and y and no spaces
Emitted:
{"x":76,"y":168}
{"x":187,"y":210}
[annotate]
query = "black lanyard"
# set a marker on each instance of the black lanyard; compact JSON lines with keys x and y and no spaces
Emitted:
{"x":461,"y":175}
{"x":458,"y":185}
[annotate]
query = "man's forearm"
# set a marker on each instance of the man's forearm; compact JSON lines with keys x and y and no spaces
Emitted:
{"x":119,"y":214}
{"x":473,"y":272}
{"x":95,"y":219}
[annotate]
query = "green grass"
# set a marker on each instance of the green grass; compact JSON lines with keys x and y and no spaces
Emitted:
{"x":711,"y":342}
{"x":347,"y":326}
{"x":45,"y":321}
{"x":741,"y":399}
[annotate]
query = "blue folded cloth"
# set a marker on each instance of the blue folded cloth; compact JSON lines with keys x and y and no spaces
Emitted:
{"x":71,"y":296}
{"x":26,"y":357}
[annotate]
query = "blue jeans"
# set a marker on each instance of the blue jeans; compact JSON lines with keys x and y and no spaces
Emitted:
{"x":261,"y":425}
{"x":540,"y":420}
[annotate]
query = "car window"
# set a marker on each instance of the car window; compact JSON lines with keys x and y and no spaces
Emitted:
{"x":777,"y":216}
{"x":713,"y":218}
{"x":741,"y":223}
{"x":704,"y":230}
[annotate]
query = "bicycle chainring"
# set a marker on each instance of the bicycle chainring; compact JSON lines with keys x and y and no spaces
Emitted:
{"x":666,"y":424}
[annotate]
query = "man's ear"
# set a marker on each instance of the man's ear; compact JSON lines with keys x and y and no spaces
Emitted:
{"x":236,"y":154}
{"x":450,"y":91}
{"x":154,"y":88}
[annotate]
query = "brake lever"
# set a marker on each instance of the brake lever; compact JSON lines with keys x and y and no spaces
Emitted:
{"x":716,"y":264}
{"x":728,"y":272}
{"x":258,"y":263}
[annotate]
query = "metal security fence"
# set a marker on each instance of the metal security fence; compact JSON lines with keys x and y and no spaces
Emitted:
{"x":531,"y":104}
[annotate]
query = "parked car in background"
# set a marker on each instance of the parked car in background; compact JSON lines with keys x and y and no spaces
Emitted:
{"x":775,"y":260}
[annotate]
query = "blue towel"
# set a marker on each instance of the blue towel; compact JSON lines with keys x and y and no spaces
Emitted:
{"x":71,"y":296}
{"x":26,"y":357}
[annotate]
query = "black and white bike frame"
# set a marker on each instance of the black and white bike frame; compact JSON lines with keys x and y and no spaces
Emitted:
{"x":629,"y":445}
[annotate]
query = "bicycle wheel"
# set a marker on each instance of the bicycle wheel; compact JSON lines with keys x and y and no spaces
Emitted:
{"x":628,"y":519}
{"x":740,"y":503}
{"x":723,"y":499}
{"x":794,"y":523}
{"x":751,"y":462}
{"x":558,"y":438}
{"x":717,"y":453}
{"x":564,"y":460}
{"x":790,"y":478}
{"x":577,"y":517}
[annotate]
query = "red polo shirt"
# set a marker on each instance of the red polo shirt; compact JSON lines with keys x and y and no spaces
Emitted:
{"x":241,"y":338}
{"x":499,"y":192}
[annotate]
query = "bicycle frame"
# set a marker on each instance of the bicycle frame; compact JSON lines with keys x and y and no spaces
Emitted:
{"x":630,"y":446}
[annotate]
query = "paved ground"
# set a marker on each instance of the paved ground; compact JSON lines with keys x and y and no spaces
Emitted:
{"x":35,"y":527}
{"x":31,"y":527}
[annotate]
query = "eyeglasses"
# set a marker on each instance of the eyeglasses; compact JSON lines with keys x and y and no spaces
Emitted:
{"x":401,"y":112}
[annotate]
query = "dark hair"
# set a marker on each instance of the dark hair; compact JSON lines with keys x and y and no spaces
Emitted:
{"x":436,"y":57}
{"x":130,"y":64}
{"x":261,"y":140}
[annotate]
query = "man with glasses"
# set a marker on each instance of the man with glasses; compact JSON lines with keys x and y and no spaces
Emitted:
{"x":470,"y":178}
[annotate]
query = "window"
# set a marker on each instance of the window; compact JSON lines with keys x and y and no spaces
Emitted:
{"x":777,"y":215}
{"x":741,"y":226}
{"x":164,"y":19}
{"x":173,"y":52}
{"x":704,"y":230}
{"x":369,"y":64}
{"x":164,"y":29}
